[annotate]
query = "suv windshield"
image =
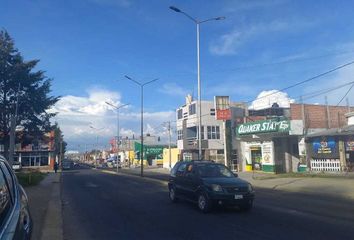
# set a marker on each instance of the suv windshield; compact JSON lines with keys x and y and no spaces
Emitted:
{"x":214,"y":171}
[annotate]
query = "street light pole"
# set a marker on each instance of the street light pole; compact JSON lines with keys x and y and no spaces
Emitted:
{"x":198,"y":22}
{"x":141,"y":119}
{"x":118,"y":128}
{"x":97,"y":130}
{"x":199,"y":99}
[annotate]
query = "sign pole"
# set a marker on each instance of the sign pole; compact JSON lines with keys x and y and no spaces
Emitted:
{"x":225,"y":144}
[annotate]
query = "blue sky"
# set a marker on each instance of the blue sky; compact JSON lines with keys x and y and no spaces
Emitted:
{"x":87,"y":46}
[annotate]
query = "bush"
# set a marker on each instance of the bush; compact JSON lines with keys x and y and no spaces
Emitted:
{"x":31,"y":178}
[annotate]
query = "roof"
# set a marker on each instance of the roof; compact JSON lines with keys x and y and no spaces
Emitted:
{"x":344,"y":131}
{"x":349,"y":114}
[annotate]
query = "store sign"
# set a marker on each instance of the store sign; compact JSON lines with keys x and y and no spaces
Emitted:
{"x":349,"y":144}
{"x":324,"y":145}
{"x":222,"y":107}
{"x":266,"y":126}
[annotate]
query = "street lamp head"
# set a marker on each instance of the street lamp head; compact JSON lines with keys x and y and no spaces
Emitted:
{"x":220,"y":18}
{"x":175,"y":9}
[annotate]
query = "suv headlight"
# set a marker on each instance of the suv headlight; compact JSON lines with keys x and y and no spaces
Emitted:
{"x":216,"y":188}
{"x":250,"y":188}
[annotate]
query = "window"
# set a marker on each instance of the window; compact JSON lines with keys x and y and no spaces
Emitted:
{"x":214,"y":171}
{"x":174,"y":169}
{"x":9,"y":179}
{"x":191,"y":132}
{"x":179,"y":113}
{"x":181,"y":169}
{"x":179,"y":134}
{"x":202,"y":132}
{"x":213,"y":132}
{"x":5,"y":203}
{"x":212,"y":111}
{"x":192,"y":109}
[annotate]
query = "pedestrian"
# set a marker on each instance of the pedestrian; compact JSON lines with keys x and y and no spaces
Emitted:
{"x":55,"y":167}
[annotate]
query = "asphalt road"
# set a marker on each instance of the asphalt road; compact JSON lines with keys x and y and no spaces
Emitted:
{"x":98,"y":205}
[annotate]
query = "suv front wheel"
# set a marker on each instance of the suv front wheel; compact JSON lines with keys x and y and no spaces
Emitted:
{"x":204,"y":203}
{"x":172,"y":194}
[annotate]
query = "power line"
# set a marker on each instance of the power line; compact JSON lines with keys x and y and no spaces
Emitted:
{"x":323,"y":91}
{"x":268,"y":64}
{"x":307,"y":80}
{"x":345,"y":94}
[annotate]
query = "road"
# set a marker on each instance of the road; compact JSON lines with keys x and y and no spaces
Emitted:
{"x":98,"y":205}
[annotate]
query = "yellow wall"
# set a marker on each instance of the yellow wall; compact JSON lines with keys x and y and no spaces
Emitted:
{"x":174,"y":157}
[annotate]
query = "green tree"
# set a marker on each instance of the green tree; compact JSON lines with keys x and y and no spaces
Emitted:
{"x":59,"y":143}
{"x":19,"y":80}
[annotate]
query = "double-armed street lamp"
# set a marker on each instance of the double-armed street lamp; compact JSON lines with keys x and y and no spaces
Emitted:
{"x":118,"y":128}
{"x":141,"y":85}
{"x":97,"y":130}
{"x":198,"y":22}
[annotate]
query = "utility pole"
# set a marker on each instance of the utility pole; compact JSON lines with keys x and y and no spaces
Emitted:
{"x":348,"y":106}
{"x":328,"y":116}
{"x":13,"y":131}
{"x":169,"y":144}
{"x":61,"y":152}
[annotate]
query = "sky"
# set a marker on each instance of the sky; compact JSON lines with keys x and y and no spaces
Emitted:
{"x":88,"y":46}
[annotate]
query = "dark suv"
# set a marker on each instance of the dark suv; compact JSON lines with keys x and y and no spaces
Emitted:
{"x":208,"y":184}
{"x":15,"y":219}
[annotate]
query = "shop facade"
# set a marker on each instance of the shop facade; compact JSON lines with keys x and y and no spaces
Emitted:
{"x":269,"y":146}
{"x":332,"y":150}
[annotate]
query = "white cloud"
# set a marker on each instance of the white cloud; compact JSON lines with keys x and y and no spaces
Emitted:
{"x":173,"y":89}
{"x":229,"y":43}
{"x":242,"y":5}
{"x":77,"y":114}
{"x":267,"y":98}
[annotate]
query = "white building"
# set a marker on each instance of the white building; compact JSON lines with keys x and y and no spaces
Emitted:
{"x":212,"y":130}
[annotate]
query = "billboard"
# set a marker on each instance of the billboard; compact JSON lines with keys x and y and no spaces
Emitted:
{"x":324,"y":145}
{"x":222,"y":108}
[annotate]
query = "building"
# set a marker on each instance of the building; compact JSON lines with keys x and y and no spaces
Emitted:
{"x":273,"y":139}
{"x":38,"y":153}
{"x":212,"y":131}
{"x":332,"y":150}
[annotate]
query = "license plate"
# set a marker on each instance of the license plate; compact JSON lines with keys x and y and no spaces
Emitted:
{"x":238,"y":196}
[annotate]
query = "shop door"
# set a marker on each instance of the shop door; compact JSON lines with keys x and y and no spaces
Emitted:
{"x":256,"y":157}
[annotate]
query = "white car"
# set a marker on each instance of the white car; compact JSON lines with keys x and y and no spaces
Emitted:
{"x":16,"y":166}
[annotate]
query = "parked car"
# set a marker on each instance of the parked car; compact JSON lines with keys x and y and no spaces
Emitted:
{"x":16,"y":166}
{"x":66,"y":165}
{"x":15,"y":218}
{"x":209,"y":184}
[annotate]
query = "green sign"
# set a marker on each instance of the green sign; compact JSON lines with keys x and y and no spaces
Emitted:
{"x":150,"y":151}
{"x":266,"y":126}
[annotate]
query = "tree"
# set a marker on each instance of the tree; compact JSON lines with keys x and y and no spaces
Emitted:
{"x":59,"y":143}
{"x":30,"y":88}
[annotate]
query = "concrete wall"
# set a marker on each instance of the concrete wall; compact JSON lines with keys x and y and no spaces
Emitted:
{"x":174,"y":157}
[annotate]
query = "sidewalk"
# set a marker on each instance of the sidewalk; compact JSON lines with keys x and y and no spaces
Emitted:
{"x":45,"y":206}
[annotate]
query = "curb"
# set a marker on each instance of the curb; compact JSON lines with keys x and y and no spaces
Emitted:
{"x":135,"y":176}
{"x":53,"y":223}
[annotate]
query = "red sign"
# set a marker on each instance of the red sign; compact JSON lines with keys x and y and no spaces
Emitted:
{"x":224,"y":114}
